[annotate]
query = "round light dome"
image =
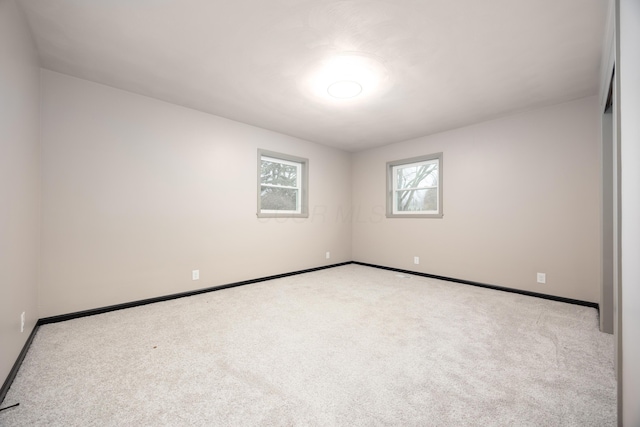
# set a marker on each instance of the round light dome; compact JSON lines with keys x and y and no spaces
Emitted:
{"x":346,"y":77}
{"x":344,"y":89}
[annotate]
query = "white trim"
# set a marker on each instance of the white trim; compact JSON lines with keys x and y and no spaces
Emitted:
{"x":392,"y":168}
{"x":301,"y":188}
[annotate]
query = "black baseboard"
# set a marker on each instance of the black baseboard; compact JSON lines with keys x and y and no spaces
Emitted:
{"x":16,"y":366}
{"x":484,"y":285}
{"x":94,"y":311}
{"x":61,"y":318}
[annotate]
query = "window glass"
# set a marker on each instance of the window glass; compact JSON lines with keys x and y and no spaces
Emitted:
{"x":282,"y":186}
{"x":278,"y":173}
{"x":414,"y":187}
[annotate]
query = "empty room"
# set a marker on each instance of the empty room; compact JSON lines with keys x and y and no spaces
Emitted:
{"x":319,"y":213}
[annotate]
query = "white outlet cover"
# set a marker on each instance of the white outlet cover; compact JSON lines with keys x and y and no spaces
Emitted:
{"x":541,"y":278}
{"x":195,"y":275}
{"x":328,"y":254}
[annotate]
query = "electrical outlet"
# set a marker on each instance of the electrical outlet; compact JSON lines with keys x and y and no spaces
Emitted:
{"x":195,"y":275}
{"x":22,"y":322}
{"x":328,"y":255}
{"x":541,"y":278}
{"x":416,"y":260}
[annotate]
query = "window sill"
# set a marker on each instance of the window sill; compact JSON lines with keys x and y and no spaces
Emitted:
{"x":282,"y":215}
{"x":414,"y":215}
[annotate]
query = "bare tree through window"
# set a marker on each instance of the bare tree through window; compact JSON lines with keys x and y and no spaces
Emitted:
{"x":414,"y":187}
{"x":282,"y":185}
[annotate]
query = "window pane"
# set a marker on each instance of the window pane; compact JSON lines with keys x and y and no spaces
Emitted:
{"x":414,"y":187}
{"x":278,"y":174}
{"x":417,"y":200}
{"x":278,"y":199}
{"x":417,"y":176}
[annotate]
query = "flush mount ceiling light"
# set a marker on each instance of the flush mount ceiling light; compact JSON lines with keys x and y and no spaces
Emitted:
{"x":344,"y":89}
{"x":346,"y":77}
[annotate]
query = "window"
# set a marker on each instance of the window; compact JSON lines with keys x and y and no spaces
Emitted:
{"x":414,"y":187}
{"x":282,"y":185}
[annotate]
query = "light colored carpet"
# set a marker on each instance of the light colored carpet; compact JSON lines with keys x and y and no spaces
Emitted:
{"x":347,"y":346}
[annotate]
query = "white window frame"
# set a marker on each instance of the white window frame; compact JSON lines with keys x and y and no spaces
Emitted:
{"x":302,"y":166}
{"x":392,"y":190}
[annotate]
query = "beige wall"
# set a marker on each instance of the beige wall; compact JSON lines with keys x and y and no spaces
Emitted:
{"x":19,"y":183}
{"x":138,"y":192}
{"x":520,"y":197}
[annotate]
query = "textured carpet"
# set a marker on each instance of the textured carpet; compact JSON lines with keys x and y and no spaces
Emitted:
{"x":348,"y":346}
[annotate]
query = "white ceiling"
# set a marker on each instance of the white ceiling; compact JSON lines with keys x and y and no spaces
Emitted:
{"x":447,"y":63}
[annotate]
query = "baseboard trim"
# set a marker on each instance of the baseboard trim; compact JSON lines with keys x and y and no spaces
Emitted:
{"x":91,"y":312}
{"x":64,"y":317}
{"x":101,"y":310}
{"x":485,"y":285}
{"x":16,"y":366}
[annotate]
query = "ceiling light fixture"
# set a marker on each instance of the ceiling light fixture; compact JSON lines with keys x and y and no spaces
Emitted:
{"x":344,"y":89}
{"x":346,"y":77}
